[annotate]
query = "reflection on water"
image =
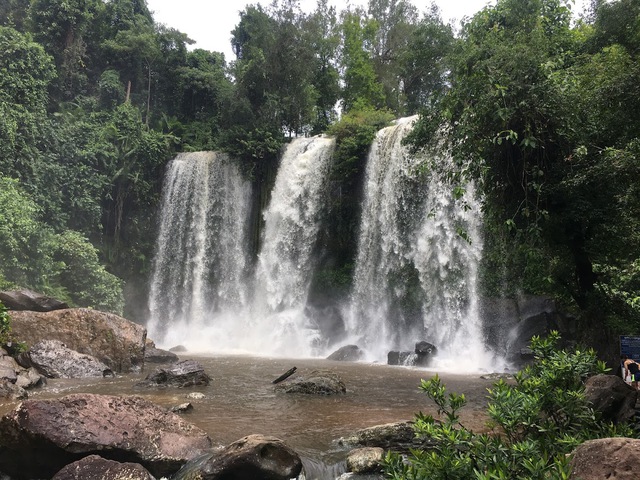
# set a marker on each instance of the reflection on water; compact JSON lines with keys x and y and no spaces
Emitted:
{"x":241,"y":400}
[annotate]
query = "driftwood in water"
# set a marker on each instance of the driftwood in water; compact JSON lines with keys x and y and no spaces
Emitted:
{"x":285,"y":375}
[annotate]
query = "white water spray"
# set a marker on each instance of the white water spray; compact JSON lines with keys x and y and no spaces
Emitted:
{"x":417,"y":263}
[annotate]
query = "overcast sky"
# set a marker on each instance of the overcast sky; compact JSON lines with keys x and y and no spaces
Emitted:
{"x":209,"y":22}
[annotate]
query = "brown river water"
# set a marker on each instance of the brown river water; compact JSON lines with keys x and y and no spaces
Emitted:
{"x":241,"y":400}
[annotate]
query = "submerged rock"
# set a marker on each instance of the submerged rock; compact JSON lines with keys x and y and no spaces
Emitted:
{"x":398,"y":436}
{"x":53,"y":359}
{"x":348,"y":353}
{"x":251,"y":457}
{"x":39,"y":437}
{"x":318,"y":382}
{"x":187,"y":373}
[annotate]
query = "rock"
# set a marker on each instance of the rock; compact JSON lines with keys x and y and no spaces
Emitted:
{"x":187,"y":373}
{"x":348,"y":353}
{"x":398,"y":436}
{"x":157,"y":355}
{"x":606,"y":458}
{"x":111,"y":339}
{"x":182,"y":408}
{"x":196,"y":396}
{"x":425,"y":352}
{"x":14,"y":379}
{"x":612,"y":397}
{"x":30,"y":300}
{"x":178,"y":349}
{"x":318,"y":382}
{"x":96,"y":467}
{"x":54,"y":360}
{"x":401,"y":358}
{"x":365,"y":460}
{"x":251,"y":457}
{"x":39,"y":437}
{"x":361,"y":476}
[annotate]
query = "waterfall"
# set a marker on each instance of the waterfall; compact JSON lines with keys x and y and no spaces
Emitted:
{"x":285,"y":263}
{"x":417,"y":262}
{"x":200,"y":265}
{"x":202,"y":292}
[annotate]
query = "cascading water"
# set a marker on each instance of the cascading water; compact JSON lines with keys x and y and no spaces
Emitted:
{"x":285,"y":263}
{"x":200,"y":267}
{"x":418,"y":255}
{"x":202,"y":293}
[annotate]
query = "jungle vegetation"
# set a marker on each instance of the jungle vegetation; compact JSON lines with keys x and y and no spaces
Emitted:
{"x":538,"y":107}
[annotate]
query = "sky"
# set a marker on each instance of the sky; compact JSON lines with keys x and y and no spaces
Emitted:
{"x":209,"y":22}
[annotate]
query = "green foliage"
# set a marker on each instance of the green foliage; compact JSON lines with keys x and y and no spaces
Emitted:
{"x":541,"y":417}
{"x":5,"y":325}
{"x":63,"y":265}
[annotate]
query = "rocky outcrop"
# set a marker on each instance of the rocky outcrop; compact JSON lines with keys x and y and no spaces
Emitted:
{"x":396,"y":357}
{"x":15,"y":379}
{"x":318,"y":382}
{"x":54,"y":360}
{"x":398,"y":436}
{"x":612,"y":397}
{"x":187,"y":373}
{"x":96,"y":467}
{"x":254,"y":456}
{"x":348,"y":353}
{"x":111,"y":339}
{"x":606,"y":458}
{"x":365,"y":460}
{"x":30,"y":300}
{"x":39,"y":437}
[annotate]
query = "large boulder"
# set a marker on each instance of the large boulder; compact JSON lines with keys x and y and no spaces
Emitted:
{"x":30,"y":300}
{"x":39,"y":437}
{"x":111,"y":339}
{"x":425,"y":352}
{"x":53,"y":359}
{"x":603,"y":458}
{"x":254,"y":456}
{"x":318,"y":382}
{"x":97,"y":467}
{"x":348,"y":353}
{"x":612,"y":397}
{"x":187,"y":373}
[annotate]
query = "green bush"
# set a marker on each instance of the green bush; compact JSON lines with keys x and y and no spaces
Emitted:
{"x":540,"y":418}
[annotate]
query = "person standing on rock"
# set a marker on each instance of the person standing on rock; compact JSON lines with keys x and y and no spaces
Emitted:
{"x":631,"y":368}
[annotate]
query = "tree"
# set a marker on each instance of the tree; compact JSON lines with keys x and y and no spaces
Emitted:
{"x":361,"y":86}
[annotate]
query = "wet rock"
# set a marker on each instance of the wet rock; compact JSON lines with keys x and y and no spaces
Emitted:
{"x":196,"y":396}
{"x":96,"y":467}
{"x":30,"y":300}
{"x":348,"y":353}
{"x":178,"y":349}
{"x":187,"y":373}
{"x":606,"y":458}
{"x":365,"y":460}
{"x":11,"y":391}
{"x":111,"y":339}
{"x":254,"y":456}
{"x":182,"y":408}
{"x":425,"y":352}
{"x":318,"y":382}
{"x":53,"y":359}
{"x":612,"y":397}
{"x":157,"y":355}
{"x":39,"y":437}
{"x":398,"y":436}
{"x":14,"y":379}
{"x":395,"y":357}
